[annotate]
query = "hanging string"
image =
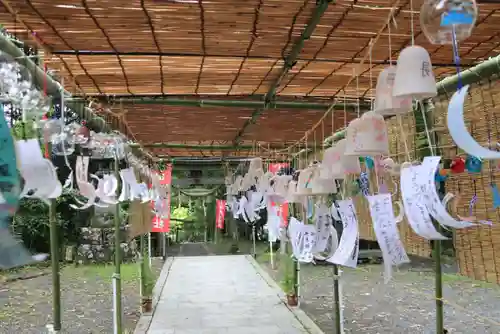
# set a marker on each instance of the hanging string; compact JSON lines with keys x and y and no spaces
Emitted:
{"x":405,"y":140}
{"x":323,"y":136}
{"x":357,"y":91}
{"x":333,"y":120}
{"x":314,"y":148}
{"x":456,"y":56}
{"x":390,"y":38}
{"x":305,"y":155}
{"x":376,"y":163}
{"x":427,"y":132}
{"x":412,"y":24}
{"x":296,"y":156}
{"x":371,"y":72}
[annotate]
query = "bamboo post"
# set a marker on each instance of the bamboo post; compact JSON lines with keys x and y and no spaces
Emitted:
{"x":271,"y":255}
{"x":296,"y":277}
{"x":150,"y":248}
{"x":254,"y":243}
{"x":439,"y":286}
{"x":337,"y":295}
{"x":336,"y":298}
{"x":56,"y":277}
{"x":215,"y":229}
{"x":142,"y":264}
{"x":117,"y":290}
{"x":426,"y":109}
{"x":296,"y":266}
{"x":56,"y":325}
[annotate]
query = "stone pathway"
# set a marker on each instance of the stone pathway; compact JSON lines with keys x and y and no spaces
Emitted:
{"x":221,"y":295}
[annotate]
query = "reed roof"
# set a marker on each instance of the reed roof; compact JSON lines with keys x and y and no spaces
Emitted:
{"x":230,"y":49}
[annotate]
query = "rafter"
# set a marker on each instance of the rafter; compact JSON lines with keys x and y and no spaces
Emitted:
{"x":288,"y":64}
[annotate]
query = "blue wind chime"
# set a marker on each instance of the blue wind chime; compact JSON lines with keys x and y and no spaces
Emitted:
{"x":470,"y":164}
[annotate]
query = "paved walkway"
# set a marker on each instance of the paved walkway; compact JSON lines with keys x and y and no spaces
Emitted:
{"x":221,"y":295}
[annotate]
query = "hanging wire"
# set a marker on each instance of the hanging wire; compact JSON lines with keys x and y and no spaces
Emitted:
{"x":404,"y":137}
{"x":427,"y":132}
{"x":412,"y":24}
{"x":390,"y":37}
{"x":371,"y":73}
{"x":357,"y":91}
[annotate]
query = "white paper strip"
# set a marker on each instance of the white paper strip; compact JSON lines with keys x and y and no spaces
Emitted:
{"x":434,"y":205}
{"x":307,"y":241}
{"x":82,"y":167}
{"x":386,"y":231}
{"x":294,"y":232}
{"x":273,"y":224}
{"x":322,"y":228}
{"x":348,"y":249}
{"x":412,"y":191}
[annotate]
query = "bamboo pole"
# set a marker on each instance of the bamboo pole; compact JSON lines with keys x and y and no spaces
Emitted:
{"x":209,"y":147}
{"x":438,"y":285}
{"x":56,"y":277}
{"x":117,"y":290}
{"x":336,"y":298}
{"x":337,"y":294}
{"x":208,"y":103}
{"x":56,"y":325}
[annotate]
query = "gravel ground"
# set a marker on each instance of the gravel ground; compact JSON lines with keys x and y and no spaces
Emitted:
{"x":405,"y":305}
{"x":26,"y":305}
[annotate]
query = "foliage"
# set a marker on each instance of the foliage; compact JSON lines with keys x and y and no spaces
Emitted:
{"x":24,"y":130}
{"x":31,"y":223}
{"x":148,"y":276}
{"x":287,"y":282}
{"x":182,"y":213}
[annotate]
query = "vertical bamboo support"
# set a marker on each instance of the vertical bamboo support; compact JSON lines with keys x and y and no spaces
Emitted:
{"x":336,"y":298}
{"x":150,"y":249}
{"x":426,"y":109}
{"x":54,"y":242}
{"x":337,"y":293}
{"x":117,"y":289}
{"x":439,"y":287}
{"x":254,"y":245}
{"x":215,"y":230}
{"x":205,"y":223}
{"x":56,"y":278}
{"x":142,"y":264}
{"x":296,"y":267}
{"x":296,"y":277}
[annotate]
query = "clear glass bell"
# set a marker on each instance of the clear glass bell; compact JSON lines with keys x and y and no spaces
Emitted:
{"x":61,"y":137}
{"x":50,"y":128}
{"x":440,"y":19}
{"x":63,"y":143}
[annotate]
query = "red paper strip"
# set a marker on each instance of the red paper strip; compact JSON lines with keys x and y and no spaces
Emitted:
{"x":274,"y":168}
{"x":282,"y":210}
{"x":162,"y":224}
{"x":220,"y":212}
